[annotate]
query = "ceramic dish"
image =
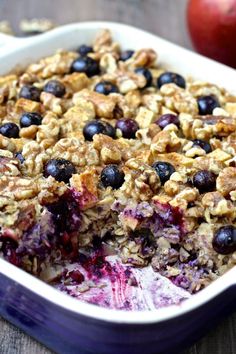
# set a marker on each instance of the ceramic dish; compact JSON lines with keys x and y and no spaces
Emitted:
{"x":67,"y":325}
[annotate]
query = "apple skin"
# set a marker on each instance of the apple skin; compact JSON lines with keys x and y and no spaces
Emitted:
{"x":212,"y":27}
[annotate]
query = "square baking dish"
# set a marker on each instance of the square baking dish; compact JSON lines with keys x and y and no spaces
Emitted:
{"x":67,"y":325}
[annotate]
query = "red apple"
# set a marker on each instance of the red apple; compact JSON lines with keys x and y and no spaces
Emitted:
{"x":212,"y":27}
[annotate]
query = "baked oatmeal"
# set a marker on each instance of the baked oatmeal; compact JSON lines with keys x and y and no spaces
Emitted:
{"x":105,"y":152}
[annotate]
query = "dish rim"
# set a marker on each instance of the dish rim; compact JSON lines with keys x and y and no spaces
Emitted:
{"x":78,"y":307}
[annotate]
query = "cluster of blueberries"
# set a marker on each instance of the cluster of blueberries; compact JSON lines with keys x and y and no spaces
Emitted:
{"x":111,"y":175}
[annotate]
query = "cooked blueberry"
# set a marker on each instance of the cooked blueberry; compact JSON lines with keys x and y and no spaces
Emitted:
{"x":147,"y":74}
{"x":206,"y":104}
{"x":30,"y":92}
{"x":91,"y":128}
{"x":55,"y":87}
{"x":84,"y":49}
{"x":19,"y":156}
{"x":10,"y":130}
{"x":60,"y":169}
{"x":128,"y":127}
{"x":85,"y":65}
{"x":164,"y":170}
{"x":224,"y":241}
{"x":169,"y":77}
{"x":109,"y":130}
{"x":106,"y":87}
{"x":167,"y":119}
{"x":126,"y":54}
{"x":111,"y":176}
{"x":203,"y":144}
{"x":204,"y":181}
{"x":97,"y":127}
{"x":30,"y":118}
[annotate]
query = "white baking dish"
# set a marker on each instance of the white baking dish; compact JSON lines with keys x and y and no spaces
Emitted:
{"x":68,"y":325}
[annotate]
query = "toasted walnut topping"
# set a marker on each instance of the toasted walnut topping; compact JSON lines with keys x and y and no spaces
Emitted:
{"x":108,"y":63}
{"x":103,"y":44}
{"x":128,"y":81}
{"x":230,"y":108}
{"x":226,"y":181}
{"x":104,"y":105}
{"x":48,"y":132}
{"x":171,"y":188}
{"x":117,"y":149}
{"x":29,"y":132}
{"x":7,"y":144}
{"x":76,"y":81}
{"x":184,"y":197}
{"x":57,"y":64}
{"x":9,"y":166}
{"x":79,"y":153}
{"x":153,"y":102}
{"x":18,"y":188}
{"x":218,"y":205}
{"x":144,"y":57}
{"x":110,"y":155}
{"x":35,"y":158}
{"x":51,"y":102}
{"x":50,"y":190}
{"x":141,"y":181}
{"x":179,"y":100}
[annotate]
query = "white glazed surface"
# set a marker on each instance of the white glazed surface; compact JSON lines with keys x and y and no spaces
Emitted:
{"x":14,"y":52}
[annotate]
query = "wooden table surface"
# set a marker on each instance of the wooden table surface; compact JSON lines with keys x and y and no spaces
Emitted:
{"x":163,"y":17}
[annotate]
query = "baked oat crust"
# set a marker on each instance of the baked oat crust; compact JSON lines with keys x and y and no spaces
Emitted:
{"x":181,"y":221}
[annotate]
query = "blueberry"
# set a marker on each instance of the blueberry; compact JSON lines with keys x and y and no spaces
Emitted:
{"x":109,"y":130}
{"x":164,"y":170}
{"x":19,"y":156}
{"x":128,"y":127}
{"x":126,"y":54}
{"x":106,"y":87}
{"x":111,"y":176}
{"x":97,"y":127}
{"x":84,"y":50}
{"x":60,"y":169}
{"x":147,"y":74}
{"x":55,"y":87}
{"x":204,"y":181}
{"x":224,"y":241}
{"x":10,"y":130}
{"x":206,"y":104}
{"x":30,"y":118}
{"x":203,"y":144}
{"x":85,"y":65}
{"x":167,"y":119}
{"x":169,"y":77}
{"x":30,"y":92}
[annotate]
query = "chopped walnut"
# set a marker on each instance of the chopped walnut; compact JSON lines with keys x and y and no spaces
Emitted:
{"x":226,"y":181}
{"x":141,"y":181}
{"x":218,"y":205}
{"x":104,"y":105}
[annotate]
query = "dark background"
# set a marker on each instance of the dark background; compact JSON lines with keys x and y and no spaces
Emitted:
{"x":163,"y":17}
